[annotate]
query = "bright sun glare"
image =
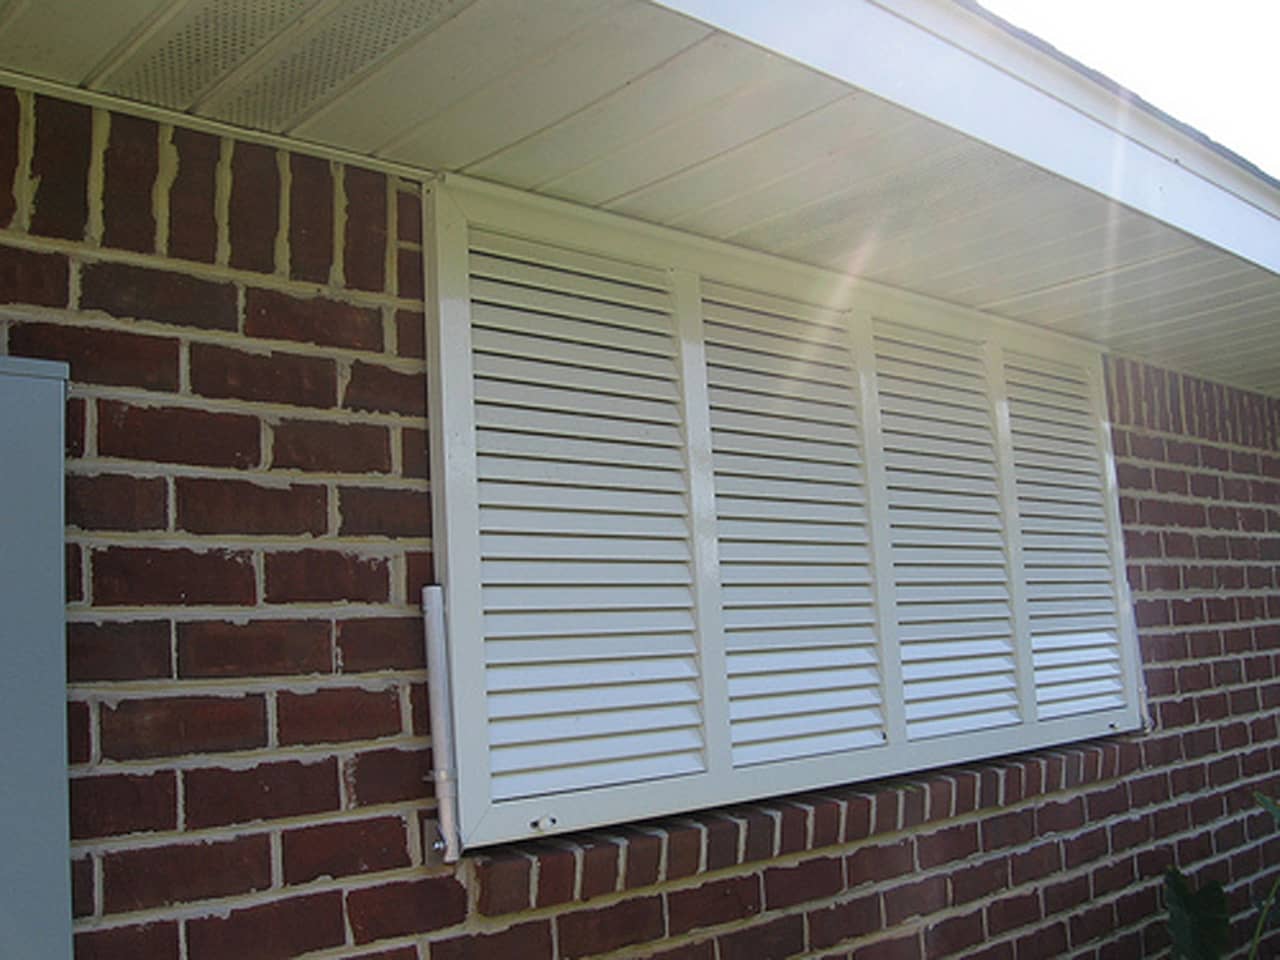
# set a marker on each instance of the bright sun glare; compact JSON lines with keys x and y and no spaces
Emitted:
{"x":1211,"y":65}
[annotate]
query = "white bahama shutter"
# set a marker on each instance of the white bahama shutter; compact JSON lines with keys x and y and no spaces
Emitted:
{"x":704,"y":537}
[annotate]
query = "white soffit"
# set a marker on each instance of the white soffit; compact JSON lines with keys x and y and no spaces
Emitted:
{"x":916,"y":144}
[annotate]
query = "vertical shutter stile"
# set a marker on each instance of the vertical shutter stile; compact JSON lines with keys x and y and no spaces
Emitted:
{"x":687,"y":296}
{"x":1005,"y":467}
{"x":881,"y":533}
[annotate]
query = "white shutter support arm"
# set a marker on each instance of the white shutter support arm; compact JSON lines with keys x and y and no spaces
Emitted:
{"x":443,"y":766}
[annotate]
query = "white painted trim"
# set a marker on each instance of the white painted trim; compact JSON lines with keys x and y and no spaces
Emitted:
{"x":931,"y":68}
{"x":686,"y":296}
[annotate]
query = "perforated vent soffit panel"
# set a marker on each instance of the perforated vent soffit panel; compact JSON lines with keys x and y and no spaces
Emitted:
{"x":264,"y":64}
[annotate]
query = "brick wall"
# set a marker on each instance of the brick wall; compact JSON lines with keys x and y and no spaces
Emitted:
{"x":247,"y":503}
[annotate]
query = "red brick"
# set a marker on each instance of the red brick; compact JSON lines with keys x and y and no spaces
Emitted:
{"x":556,"y":869}
{"x":154,"y":941}
{"x":126,"y":576}
{"x":101,"y":356}
{"x":411,"y":334}
{"x":253,"y":216}
{"x":1047,"y":943}
{"x":810,"y":880}
{"x":948,"y":845}
{"x":325,"y":575}
{"x":329,"y":323}
{"x":1066,"y":896}
{"x":526,"y":941}
{"x":382,"y":390}
{"x":78,"y":737}
{"x":116,"y":502}
{"x":783,"y":937}
{"x":333,"y":716}
{"x":74,"y":421}
{"x":409,"y":278}
{"x":902,"y":948}
{"x":114,"y":804}
{"x":30,"y":277}
{"x":273,"y":931}
{"x":599,"y":931}
{"x":131,"y":164}
{"x":599,"y":869}
{"x":176,"y":435}
{"x":979,"y":881}
{"x":722,"y":842}
{"x":1011,"y":912}
{"x":392,"y":513}
{"x":953,"y":936}
{"x":644,"y":853}
{"x":60,"y":168}
{"x":1060,"y":816}
{"x":852,"y":918}
{"x":1033,"y":864}
{"x":237,"y":506}
{"x":920,"y":898}
{"x":193,"y":231}
{"x":364,"y":255}
{"x":158,"y":295}
{"x":310,"y":218}
{"x":419,"y":571}
{"x":504,"y":880}
{"x":216,"y":797}
{"x":684,"y":851}
{"x":389,"y":776}
{"x":10,"y":118}
{"x":173,"y":726}
{"x":381,"y":643}
{"x":721,"y":901}
{"x":275,"y":377}
{"x":408,"y":216}
{"x":181,"y":873}
{"x":130,"y":650}
{"x":1092,"y":923}
{"x":218,"y":648}
{"x":399,"y":909}
{"x":74,"y":573}
{"x":332,"y":447}
{"x":344,"y":849}
{"x":880,"y":863}
{"x":81,"y":881}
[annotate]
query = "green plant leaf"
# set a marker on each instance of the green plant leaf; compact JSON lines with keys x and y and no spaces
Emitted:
{"x":1198,"y":921}
{"x":1269,"y":805}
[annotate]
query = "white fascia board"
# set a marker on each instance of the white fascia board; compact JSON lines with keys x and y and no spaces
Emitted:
{"x":948,"y":64}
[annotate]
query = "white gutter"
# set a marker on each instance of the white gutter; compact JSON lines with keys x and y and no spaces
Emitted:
{"x":439,"y":698}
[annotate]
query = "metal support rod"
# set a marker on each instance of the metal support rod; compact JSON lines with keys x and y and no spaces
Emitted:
{"x":442,"y":748}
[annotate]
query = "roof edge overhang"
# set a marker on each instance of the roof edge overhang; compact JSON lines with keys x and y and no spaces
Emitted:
{"x":990,"y":84}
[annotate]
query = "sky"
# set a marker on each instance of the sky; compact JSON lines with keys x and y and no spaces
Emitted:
{"x":1213,"y":64}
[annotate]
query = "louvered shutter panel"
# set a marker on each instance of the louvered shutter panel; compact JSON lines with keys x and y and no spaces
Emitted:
{"x":804,"y":672}
{"x":948,"y":546}
{"x":704,"y":542}
{"x":591,"y":662}
{"x":1068,"y":563}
